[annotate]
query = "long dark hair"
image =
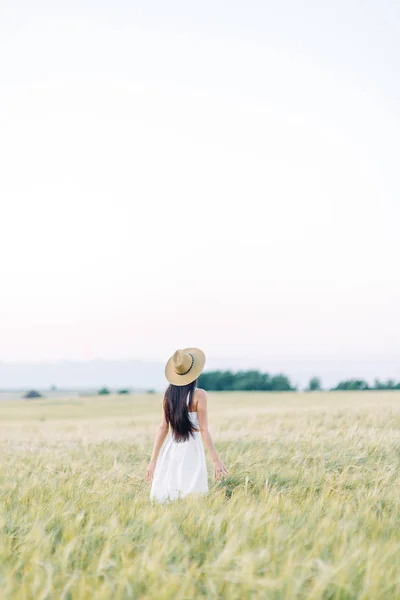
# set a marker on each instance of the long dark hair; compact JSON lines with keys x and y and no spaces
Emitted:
{"x":176,"y":410}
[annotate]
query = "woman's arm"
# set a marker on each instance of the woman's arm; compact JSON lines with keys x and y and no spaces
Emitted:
{"x":158,"y":442}
{"x":219,"y":467}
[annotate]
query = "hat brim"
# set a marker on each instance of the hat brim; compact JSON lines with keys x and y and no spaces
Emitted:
{"x":197,"y":367}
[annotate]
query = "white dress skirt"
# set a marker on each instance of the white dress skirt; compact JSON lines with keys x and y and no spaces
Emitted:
{"x":181,"y":468}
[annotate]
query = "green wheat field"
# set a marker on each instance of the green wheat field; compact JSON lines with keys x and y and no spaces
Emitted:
{"x":310,"y":509}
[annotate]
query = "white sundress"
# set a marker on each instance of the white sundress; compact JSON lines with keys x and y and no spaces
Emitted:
{"x":181,"y":467}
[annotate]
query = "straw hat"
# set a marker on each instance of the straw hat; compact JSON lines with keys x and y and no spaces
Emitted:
{"x":185,"y":366}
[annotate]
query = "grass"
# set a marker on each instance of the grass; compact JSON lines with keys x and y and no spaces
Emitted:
{"x":310,"y":509}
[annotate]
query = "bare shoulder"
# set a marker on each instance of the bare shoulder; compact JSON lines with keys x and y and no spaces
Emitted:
{"x":200,"y":393}
{"x":200,"y":397}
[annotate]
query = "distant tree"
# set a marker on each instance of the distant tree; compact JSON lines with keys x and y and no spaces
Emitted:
{"x":244,"y":381}
{"x":103,"y":392}
{"x":314,"y":385}
{"x":32,"y":394}
{"x":217,"y":380}
{"x":124,"y":391}
{"x":352,"y":385}
{"x":248,"y":381}
{"x":53,"y":388}
{"x":281,"y":383}
{"x":151,"y":391}
{"x":390,"y":384}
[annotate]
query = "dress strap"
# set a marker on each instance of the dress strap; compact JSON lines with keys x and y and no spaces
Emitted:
{"x":188,"y":399}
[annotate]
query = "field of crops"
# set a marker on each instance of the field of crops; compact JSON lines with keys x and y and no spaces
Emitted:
{"x":310,"y":509}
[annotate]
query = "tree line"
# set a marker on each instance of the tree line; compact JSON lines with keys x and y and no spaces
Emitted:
{"x":361,"y":384}
{"x":257,"y":381}
{"x":229,"y":381}
{"x":244,"y":381}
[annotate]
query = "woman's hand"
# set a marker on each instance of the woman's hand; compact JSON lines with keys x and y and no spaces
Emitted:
{"x":150,"y":471}
{"x":219,"y":470}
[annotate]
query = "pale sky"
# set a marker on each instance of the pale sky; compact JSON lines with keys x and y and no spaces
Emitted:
{"x":218,"y":174}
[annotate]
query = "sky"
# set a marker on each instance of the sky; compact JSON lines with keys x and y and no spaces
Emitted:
{"x":213,"y":174}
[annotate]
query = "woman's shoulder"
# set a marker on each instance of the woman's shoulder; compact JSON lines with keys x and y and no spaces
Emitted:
{"x":200,"y":395}
{"x":200,"y":392}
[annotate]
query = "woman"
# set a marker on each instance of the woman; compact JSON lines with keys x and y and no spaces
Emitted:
{"x":181,"y":467}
